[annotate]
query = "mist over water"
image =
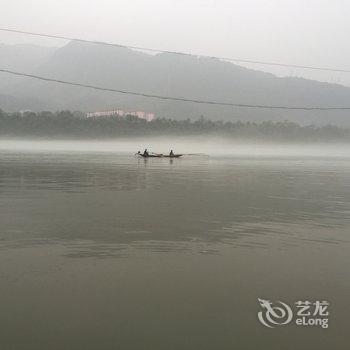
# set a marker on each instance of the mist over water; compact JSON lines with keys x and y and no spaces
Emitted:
{"x":207,"y":145}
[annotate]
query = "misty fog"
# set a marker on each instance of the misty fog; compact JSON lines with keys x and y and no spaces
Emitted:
{"x":187,"y":145}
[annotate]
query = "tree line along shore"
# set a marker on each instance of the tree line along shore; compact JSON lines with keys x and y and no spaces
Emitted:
{"x":67,"y":124}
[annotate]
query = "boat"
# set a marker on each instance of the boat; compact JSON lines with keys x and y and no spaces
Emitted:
{"x":161,"y":155}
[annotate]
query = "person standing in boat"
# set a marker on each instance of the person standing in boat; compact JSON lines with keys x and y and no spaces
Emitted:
{"x":145,"y":153}
{"x":171,"y":154}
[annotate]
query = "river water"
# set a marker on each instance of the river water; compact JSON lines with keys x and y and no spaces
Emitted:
{"x":102,"y":250}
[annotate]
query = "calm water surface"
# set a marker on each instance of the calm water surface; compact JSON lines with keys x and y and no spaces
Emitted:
{"x":107,"y":251}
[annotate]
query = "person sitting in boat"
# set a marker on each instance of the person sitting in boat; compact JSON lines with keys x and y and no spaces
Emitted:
{"x":172,"y":154}
{"x":145,"y":153}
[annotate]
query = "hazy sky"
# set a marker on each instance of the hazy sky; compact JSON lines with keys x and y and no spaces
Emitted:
{"x":307,"y":32}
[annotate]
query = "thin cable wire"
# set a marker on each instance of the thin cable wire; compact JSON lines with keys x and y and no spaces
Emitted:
{"x":241,"y":60}
{"x":171,"y":98}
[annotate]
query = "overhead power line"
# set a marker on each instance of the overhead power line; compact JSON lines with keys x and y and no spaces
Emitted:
{"x":171,"y":98}
{"x":231,"y":59}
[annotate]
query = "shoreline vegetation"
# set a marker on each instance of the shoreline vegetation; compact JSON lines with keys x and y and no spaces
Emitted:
{"x":67,"y":124}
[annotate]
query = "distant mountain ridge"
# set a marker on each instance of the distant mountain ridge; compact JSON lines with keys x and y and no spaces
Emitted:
{"x":22,"y":58}
{"x":168,"y":75}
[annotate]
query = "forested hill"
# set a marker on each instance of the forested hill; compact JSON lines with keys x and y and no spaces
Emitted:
{"x":169,"y":75}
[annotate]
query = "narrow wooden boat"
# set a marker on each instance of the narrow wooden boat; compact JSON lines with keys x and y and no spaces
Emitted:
{"x":161,"y":156}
